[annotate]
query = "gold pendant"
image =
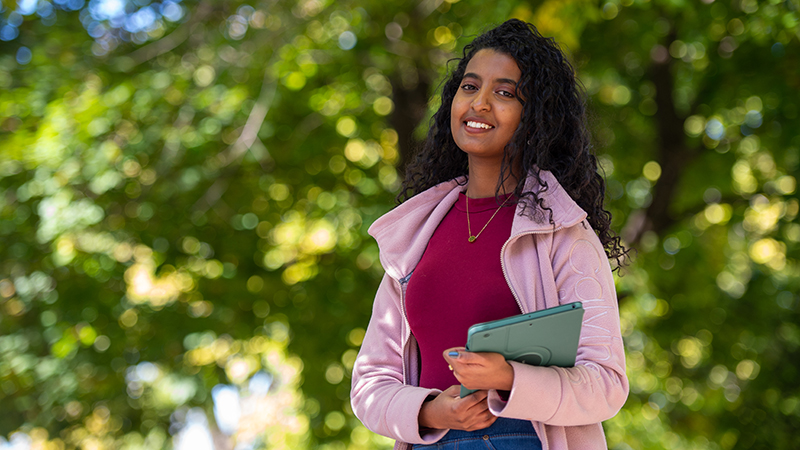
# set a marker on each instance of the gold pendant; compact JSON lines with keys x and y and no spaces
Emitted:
{"x":472,"y":238}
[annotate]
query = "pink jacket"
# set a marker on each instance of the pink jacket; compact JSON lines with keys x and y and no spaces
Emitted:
{"x":545,"y":265}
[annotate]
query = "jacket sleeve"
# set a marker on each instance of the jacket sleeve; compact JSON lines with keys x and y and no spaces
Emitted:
{"x":379,"y":396}
{"x":596,"y":387}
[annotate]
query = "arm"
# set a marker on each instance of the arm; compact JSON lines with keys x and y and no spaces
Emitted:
{"x":596,"y":388}
{"x":379,"y":396}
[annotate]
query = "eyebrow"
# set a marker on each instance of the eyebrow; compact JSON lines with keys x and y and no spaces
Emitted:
{"x":498,"y":80}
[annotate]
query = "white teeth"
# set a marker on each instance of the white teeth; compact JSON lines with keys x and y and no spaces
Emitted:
{"x":474,"y":124}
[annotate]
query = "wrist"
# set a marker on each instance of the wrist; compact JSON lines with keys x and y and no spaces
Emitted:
{"x":508,"y":378}
{"x":426,"y":418}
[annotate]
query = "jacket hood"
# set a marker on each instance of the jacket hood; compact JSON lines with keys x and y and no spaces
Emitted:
{"x":403,"y":233}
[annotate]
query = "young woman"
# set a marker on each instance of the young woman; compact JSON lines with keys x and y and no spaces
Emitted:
{"x":501,"y":214}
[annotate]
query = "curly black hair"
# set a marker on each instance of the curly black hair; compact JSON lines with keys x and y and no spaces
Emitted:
{"x":552,"y":134}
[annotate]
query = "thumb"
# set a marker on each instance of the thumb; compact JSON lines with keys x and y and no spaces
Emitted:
{"x":456,"y":354}
{"x":453,"y":391}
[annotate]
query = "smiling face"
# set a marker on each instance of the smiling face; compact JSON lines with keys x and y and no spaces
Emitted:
{"x":485,"y":111}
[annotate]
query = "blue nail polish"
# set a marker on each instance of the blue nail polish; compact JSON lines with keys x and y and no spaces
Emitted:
{"x":453,"y":354}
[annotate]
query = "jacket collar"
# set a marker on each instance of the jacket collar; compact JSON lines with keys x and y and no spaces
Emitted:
{"x":403,"y":233}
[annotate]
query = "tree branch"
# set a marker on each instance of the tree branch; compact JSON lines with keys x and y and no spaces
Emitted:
{"x":673,"y":154}
{"x":167,"y":43}
{"x":253,"y":125}
{"x":247,"y":140}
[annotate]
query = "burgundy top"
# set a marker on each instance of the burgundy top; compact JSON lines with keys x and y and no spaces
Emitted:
{"x":457,"y":284}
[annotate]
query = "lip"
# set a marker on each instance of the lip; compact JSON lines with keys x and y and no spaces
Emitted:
{"x":472,"y":129}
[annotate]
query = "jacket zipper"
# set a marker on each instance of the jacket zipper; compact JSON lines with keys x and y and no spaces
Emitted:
{"x":503,"y":262}
{"x":538,"y":426}
{"x":401,"y":283}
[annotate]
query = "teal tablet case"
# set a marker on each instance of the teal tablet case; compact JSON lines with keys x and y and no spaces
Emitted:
{"x":548,"y":337}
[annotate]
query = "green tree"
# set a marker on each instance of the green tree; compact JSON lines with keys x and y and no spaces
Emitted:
{"x":186,"y":189}
{"x":695,"y":107}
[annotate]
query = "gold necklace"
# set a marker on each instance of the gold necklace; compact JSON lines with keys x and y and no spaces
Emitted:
{"x":469,"y":228}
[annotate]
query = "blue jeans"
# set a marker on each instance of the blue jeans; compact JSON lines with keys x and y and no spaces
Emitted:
{"x":502,"y":434}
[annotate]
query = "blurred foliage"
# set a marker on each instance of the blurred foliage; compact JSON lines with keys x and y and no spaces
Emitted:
{"x":185,"y":189}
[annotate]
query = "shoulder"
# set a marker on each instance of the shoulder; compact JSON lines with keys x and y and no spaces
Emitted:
{"x":415,"y":206}
{"x":402,"y":234}
{"x":565,"y":211}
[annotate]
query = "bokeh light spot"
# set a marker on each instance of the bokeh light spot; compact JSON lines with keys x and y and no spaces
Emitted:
{"x":383,"y":106}
{"x":24,"y":55}
{"x":346,"y":126}
{"x":652,"y":170}
{"x":347,"y":40}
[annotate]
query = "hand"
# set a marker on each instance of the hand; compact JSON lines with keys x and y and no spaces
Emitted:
{"x":449,"y":410}
{"x":480,"y":370}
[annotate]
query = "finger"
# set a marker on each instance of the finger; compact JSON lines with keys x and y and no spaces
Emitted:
{"x":481,"y":409}
{"x":481,"y":358}
{"x":462,"y":367}
{"x":482,"y":422}
{"x":461,"y":354}
{"x":467,"y":357}
{"x":463,"y":379}
{"x":491,"y":358}
{"x":468,"y":402}
{"x":489,"y":421}
{"x":470,"y":377}
{"x":452,"y":355}
{"x":455,"y":350}
{"x":482,"y":413}
{"x":453,"y":391}
{"x":475,"y":399}
{"x":468,"y":361}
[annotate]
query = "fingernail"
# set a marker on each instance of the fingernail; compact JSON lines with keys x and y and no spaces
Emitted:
{"x":453,"y":354}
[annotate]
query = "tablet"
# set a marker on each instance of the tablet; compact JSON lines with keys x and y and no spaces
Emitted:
{"x":548,"y":337}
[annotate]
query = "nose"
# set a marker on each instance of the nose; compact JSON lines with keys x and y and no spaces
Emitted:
{"x":481,"y":101}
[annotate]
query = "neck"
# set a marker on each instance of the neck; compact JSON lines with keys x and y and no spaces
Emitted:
{"x":483,"y":179}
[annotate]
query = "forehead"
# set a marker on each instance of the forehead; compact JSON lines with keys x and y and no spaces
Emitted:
{"x":491,"y":64}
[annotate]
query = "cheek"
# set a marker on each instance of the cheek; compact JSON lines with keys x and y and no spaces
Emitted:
{"x":456,"y":107}
{"x":455,"y":113}
{"x":514,"y":117}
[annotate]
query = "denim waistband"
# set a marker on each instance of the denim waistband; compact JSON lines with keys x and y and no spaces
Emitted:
{"x":500,"y":426}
